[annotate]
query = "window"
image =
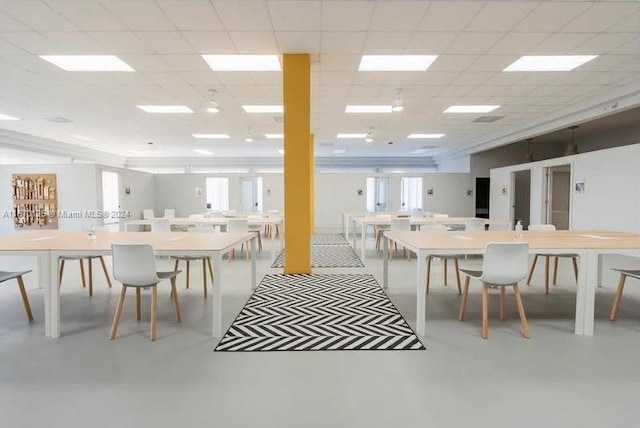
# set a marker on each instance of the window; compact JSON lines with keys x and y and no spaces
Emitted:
{"x":217,"y":193}
{"x":110,"y":196}
{"x":411,"y":193}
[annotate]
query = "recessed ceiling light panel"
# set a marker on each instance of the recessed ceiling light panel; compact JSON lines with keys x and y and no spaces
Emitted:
{"x":471,"y":109}
{"x":368,"y":109}
{"x":165,"y":109}
{"x":203,"y":152}
{"x":88,"y":62}
{"x":210,"y":136}
{"x":263,"y":108}
{"x":396,"y":62}
{"x":243,"y":62}
{"x":352,"y":135}
{"x":7,"y":117}
{"x":549,"y":62}
{"x":424,"y":136}
{"x":274,"y":136}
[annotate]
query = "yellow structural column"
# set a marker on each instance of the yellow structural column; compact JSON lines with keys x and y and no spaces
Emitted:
{"x":296,"y":77}
{"x":312,"y":193}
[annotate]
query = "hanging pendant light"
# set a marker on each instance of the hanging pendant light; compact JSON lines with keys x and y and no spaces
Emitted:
{"x":212,"y":105}
{"x":369,"y":137}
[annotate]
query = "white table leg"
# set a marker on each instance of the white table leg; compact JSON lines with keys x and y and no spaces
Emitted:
{"x":363,"y":231}
{"x":345,"y":225}
{"x":254,"y":255}
{"x":420,"y":295}
{"x":45,"y":281}
{"x":54,"y":312}
{"x":385,"y":262}
{"x":586,"y":292}
{"x":216,"y":301}
{"x":353,"y":238}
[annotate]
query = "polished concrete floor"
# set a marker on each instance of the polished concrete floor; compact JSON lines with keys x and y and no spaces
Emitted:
{"x":555,"y":379}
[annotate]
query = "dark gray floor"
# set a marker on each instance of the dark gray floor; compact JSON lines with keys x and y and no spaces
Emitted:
{"x":556,"y":379}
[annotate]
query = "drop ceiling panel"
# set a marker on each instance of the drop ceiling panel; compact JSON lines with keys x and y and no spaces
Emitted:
{"x":330,"y":62}
{"x":244,"y":15}
{"x":604,"y":43}
{"x":517,"y":43}
{"x":386,"y":43}
{"x":165,"y":42}
{"x":346,"y":16}
{"x":495,"y":63}
{"x":343,"y":42}
{"x":473,"y":43}
{"x":87,"y":15}
{"x":209,"y":42}
{"x":298,"y":42}
{"x":631,"y":48}
{"x":447,"y":63}
{"x":254,"y":42}
{"x":601,"y":16}
{"x":36,"y":15}
{"x":140,"y":15}
{"x":8,"y":48}
{"x":397,"y":15}
{"x":561,"y":43}
{"x":630,"y":24}
{"x":500,"y":16}
{"x":449,"y":16}
{"x":192,"y":15}
{"x":551,"y":16}
{"x":295,"y":15}
{"x":9,"y":24}
{"x":429,"y":43}
{"x":120,"y":42}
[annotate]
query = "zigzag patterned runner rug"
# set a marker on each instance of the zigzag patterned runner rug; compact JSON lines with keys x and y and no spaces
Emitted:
{"x":327,"y":256}
{"x":319,"y":312}
{"x":328,"y":239}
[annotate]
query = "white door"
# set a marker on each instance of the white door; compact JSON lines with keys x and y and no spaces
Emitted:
{"x":251,"y":199}
{"x":559,"y":196}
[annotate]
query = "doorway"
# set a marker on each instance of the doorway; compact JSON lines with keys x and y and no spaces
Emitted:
{"x":482,"y":197}
{"x":110,"y":196}
{"x":251,"y":194}
{"x":377,"y":194}
{"x":521,"y":207}
{"x":558,"y":200}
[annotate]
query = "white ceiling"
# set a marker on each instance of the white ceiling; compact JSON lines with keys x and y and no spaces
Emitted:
{"x":163,"y":40}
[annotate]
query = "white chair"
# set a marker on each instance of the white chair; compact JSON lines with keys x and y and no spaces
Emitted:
{"x":440,"y":215}
{"x":169,"y":213}
{"x":160,"y":225}
{"x":268,"y":231}
{"x":256,"y":227}
{"x":474,"y":225}
{"x":379,"y":229}
{"x":445,"y":258}
{"x":135,"y":266}
{"x":399,"y":225}
{"x":505,"y":264}
{"x":147,"y":214}
{"x":6,"y":276}
{"x":81,"y":260}
{"x":237,"y":225}
{"x":499,"y":226}
{"x":624,"y":273}
{"x":547,"y":257}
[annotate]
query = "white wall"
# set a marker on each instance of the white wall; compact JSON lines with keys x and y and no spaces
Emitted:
{"x":76,"y":186}
{"x":460,"y":164}
{"x":142,"y":191}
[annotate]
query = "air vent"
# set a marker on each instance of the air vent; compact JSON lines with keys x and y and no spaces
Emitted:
{"x":59,"y":119}
{"x":278,"y":119}
{"x":487,"y":119}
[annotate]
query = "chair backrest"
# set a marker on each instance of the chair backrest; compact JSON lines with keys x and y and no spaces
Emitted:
{"x":433,"y":228}
{"x":238,"y":225}
{"x":148,"y":214}
{"x":474,"y":225}
{"x":542,"y":227}
{"x":505,"y":263}
{"x":169,"y":213}
{"x":400,"y":225}
{"x":134,"y":265}
{"x":503,"y":225}
{"x":160,"y":225}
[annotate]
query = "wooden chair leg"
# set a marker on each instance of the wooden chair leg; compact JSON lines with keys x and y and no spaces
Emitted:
{"x":485,"y":311}
{"x":502,"y":304}
{"x":138,"y":305}
{"x":455,"y":262}
{"x":90,"y":263}
{"x":523,"y":318}
{"x":116,"y":318}
{"x":188,"y":272}
{"x":555,"y":270}
{"x":84,"y":284}
{"x":176,"y":302}
{"x":60,"y":274}
{"x":463,"y":303}
{"x":25,"y":299}
{"x":204,"y":275}
{"x":231,"y":255}
{"x":575,"y":267}
{"x":106,"y":272}
{"x":445,"y":272}
{"x":154,"y":304}
{"x":428,"y":272}
{"x":378,"y":237}
{"x":546,"y":274}
{"x":618,"y":298}
{"x":533,"y":266}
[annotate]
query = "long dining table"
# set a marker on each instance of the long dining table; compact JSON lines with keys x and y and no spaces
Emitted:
{"x":588,"y":245}
{"x":48,"y":246}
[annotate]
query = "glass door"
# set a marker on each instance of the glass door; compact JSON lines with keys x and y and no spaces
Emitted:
{"x":251,"y":200}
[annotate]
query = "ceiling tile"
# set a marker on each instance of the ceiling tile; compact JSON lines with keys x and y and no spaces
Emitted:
{"x":142,"y":63}
{"x":254,"y":42}
{"x":336,"y":78}
{"x":630,"y":24}
{"x":36,"y":15}
{"x":208,"y":42}
{"x":298,"y":42}
{"x":429,"y":43}
{"x":295,"y":15}
{"x":166,"y":42}
{"x":455,"y":90}
{"x":604,"y":43}
{"x":487,"y":91}
{"x":601,"y":16}
{"x":397,"y":15}
{"x":205,"y":78}
{"x":500,"y":16}
{"x":342,"y":42}
{"x":551,"y":16}
{"x":561,"y":43}
{"x":244,"y":15}
{"x":8,"y":24}
{"x":517,"y":43}
{"x":492,"y":62}
{"x":140,"y":15}
{"x":473,"y":43}
{"x":88,"y":15}
{"x":346,"y":15}
{"x":120,"y":42}
{"x":270,"y":78}
{"x":8,"y":48}
{"x":185,"y":63}
{"x":452,"y":63}
{"x":192,"y":15}
{"x":391,"y":43}
{"x":469,"y":78}
{"x":630,"y":48}
{"x":54,"y":43}
{"x":339,"y":62}
{"x":449,"y":16}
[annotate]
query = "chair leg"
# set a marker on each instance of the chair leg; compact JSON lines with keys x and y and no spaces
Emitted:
{"x":60,"y":274}
{"x":445,"y":271}
{"x":455,"y":262}
{"x":555,"y":270}
{"x":378,"y":237}
{"x":176,"y":302}
{"x":463,"y":303}
{"x":210,"y":269}
{"x":523,"y":318}
{"x":546,"y":274}
{"x":84,"y":284}
{"x":204,"y":276}
{"x":533,"y":266}
{"x":106,"y":272}
{"x":138,"y":305}
{"x":25,"y":299}
{"x":575,"y":267}
{"x":428,"y":272}
{"x":618,"y":298}
{"x":188,"y":271}
{"x":485,"y":311}
{"x":90,"y":263}
{"x":502,"y":304}
{"x":154,"y":303}
{"x":116,"y":318}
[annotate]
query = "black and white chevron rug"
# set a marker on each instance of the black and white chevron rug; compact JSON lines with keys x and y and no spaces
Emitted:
{"x":319,"y":312}
{"x":327,"y":256}
{"x":328,"y":239}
